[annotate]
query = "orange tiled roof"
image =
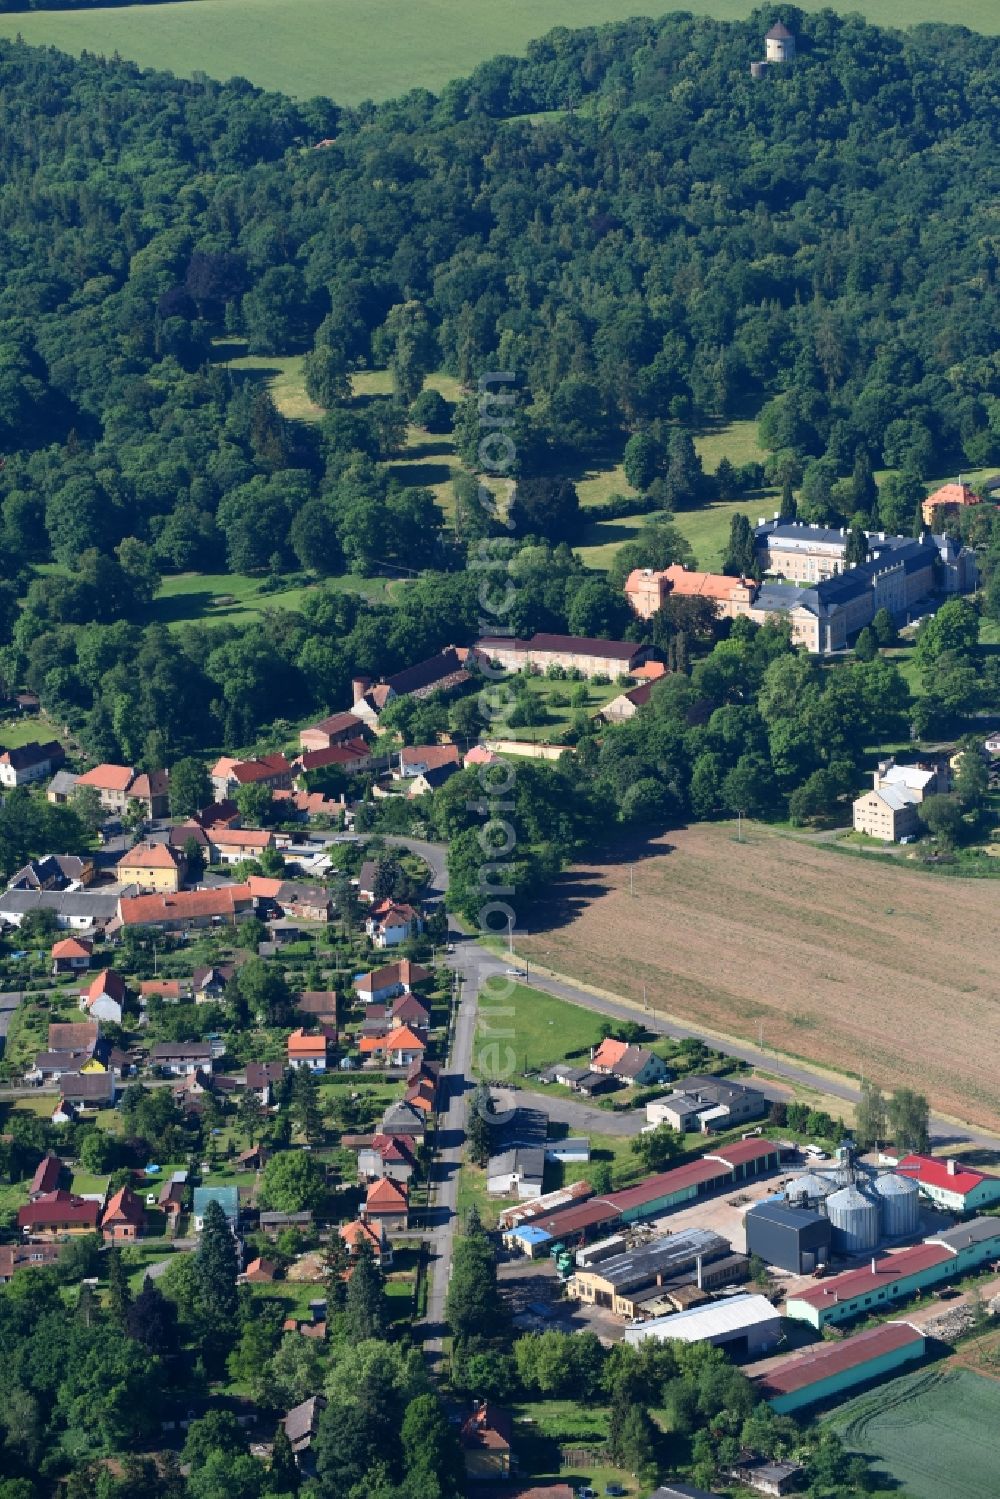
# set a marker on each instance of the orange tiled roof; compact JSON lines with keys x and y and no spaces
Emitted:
{"x":301,"y":1045}
{"x":707,"y":585}
{"x":72,"y":947}
{"x":354,"y":1233}
{"x":609,"y":1053}
{"x":387,"y":1196}
{"x":108,"y":777}
{"x":223,"y":900}
{"x":149,"y":856}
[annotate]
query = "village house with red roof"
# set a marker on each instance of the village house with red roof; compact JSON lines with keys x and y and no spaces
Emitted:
{"x":396,"y":1048}
{"x":307,"y":1052}
{"x":59,"y":1214}
{"x":352,"y":1235}
{"x":486,"y":1438}
{"x":395,"y":978}
{"x":71,"y":955}
{"x":104,"y":999}
{"x":391,"y":923}
{"x":387,"y":1205}
{"x":633,"y":1065}
{"x":152,"y":866}
{"x":228,"y":775}
{"x":394,"y":1156}
{"x":124,"y":1218}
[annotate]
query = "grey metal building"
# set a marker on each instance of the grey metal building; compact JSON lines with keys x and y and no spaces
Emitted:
{"x":794,"y":1239}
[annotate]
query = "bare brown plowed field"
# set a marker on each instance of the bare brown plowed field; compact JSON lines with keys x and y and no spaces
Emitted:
{"x":845,"y":963}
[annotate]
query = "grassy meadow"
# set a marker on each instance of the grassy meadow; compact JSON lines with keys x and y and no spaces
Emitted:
{"x":331,"y":47}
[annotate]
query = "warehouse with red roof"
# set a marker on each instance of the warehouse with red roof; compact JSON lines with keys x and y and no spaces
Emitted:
{"x":829,"y":1370}
{"x":894,"y":1277}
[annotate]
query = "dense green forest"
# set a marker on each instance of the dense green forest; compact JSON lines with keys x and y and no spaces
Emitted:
{"x":665,"y":241}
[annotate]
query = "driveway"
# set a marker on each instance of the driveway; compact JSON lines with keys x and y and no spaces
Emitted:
{"x":587,"y":1118}
{"x":8,"y":1004}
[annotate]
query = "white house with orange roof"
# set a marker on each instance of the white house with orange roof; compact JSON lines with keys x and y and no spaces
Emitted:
{"x":633,"y":1065}
{"x":71,"y":955}
{"x":392,"y":922}
{"x":353,"y":1235}
{"x":307,"y":1052}
{"x":399,"y":1047}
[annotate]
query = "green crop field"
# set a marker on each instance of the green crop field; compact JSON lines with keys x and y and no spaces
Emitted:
{"x":930,"y":1432}
{"x":341,"y":49}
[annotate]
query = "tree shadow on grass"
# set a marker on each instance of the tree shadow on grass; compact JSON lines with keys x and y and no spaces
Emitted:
{"x":420,"y":473}
{"x":176,"y":607}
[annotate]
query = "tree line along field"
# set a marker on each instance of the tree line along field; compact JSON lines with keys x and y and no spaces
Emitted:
{"x":929,"y":1432}
{"x":849,"y":964}
{"x":306,"y":48}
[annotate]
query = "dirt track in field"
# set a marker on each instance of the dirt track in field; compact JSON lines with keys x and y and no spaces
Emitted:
{"x":839,"y":961}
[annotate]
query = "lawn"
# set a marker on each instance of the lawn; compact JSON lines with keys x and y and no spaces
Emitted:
{"x":707,"y":530}
{"x":236,"y":599}
{"x":929,"y":1432}
{"x":850,"y":966}
{"x":330,"y":47}
{"x":281,"y":373}
{"x":530,"y":1030}
{"x":17,"y":731}
{"x":558,"y":714}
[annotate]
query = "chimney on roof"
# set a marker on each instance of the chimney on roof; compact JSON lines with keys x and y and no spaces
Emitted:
{"x":952,"y":1167}
{"x":359,"y":686}
{"x":873,"y":1264}
{"x":697,"y":1268}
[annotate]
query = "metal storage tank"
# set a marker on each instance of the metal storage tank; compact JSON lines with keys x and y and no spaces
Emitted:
{"x":855,"y":1220}
{"x":899,"y":1198}
{"x":811,"y":1185}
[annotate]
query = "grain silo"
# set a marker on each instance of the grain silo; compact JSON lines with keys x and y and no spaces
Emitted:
{"x":899,"y":1199}
{"x":855,"y":1220}
{"x":811,"y":1188}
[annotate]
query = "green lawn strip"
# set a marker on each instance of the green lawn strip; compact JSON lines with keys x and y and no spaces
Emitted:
{"x":707,"y":530}
{"x":534,"y":1027}
{"x":238,"y":599}
{"x":597,"y":485}
{"x":14,"y":732}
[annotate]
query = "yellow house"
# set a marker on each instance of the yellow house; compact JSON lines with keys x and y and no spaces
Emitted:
{"x":92,"y":1064}
{"x":155,"y":867}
